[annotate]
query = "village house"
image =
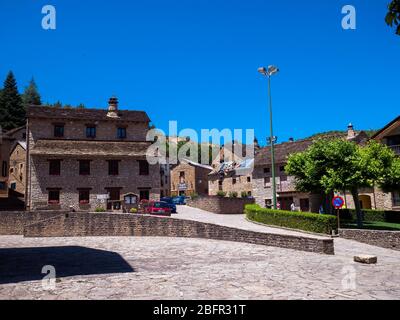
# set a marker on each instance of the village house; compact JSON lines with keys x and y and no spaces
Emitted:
{"x":8,"y":143}
{"x":375,"y":198}
{"x":285,"y":185}
{"x":85,"y":159}
{"x":232,"y":170}
{"x":189,"y":177}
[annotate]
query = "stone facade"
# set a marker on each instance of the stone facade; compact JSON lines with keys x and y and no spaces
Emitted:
{"x":188,"y":178}
{"x":17,"y":176}
{"x":117,"y":142}
{"x":4,"y":163}
{"x":221,"y":205}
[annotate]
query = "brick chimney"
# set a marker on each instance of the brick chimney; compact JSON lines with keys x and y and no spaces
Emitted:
{"x":350,"y":132}
{"x":113,"y":107}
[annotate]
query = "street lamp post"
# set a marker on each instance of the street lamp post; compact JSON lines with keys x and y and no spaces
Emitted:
{"x":271,"y":70}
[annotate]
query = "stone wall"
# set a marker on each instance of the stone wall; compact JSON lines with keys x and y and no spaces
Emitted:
{"x":221,"y":205}
{"x":17,"y":166}
{"x":233,"y":183}
{"x":384,"y":239}
{"x":66,"y":224}
{"x":100,"y":224}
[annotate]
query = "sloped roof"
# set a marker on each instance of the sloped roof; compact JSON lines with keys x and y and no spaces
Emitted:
{"x":84,"y":114}
{"x":79,"y":148}
{"x":385,"y":128}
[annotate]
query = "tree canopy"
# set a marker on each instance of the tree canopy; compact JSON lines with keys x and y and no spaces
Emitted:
{"x":338,"y":165}
{"x":31,"y":94}
{"x":393,"y":15}
{"x":12,"y":110}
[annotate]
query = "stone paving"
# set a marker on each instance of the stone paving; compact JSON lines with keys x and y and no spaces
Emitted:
{"x":180,"y":268}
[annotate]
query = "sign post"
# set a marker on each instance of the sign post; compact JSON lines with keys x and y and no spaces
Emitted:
{"x":338,"y":203}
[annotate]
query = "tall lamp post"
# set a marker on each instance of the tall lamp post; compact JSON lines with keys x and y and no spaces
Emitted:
{"x":268,"y":72}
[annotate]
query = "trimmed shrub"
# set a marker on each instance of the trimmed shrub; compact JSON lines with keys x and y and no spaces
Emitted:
{"x":133,"y":210}
{"x":221,"y":193}
{"x":318,"y":223}
{"x":233,"y":194}
{"x":244,"y":194}
{"x":371,"y":215}
{"x":100,"y":209}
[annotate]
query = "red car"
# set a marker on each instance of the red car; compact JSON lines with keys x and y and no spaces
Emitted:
{"x":158,"y":208}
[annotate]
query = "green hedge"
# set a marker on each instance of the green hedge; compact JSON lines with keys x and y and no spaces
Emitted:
{"x":371,"y":215}
{"x":319,"y":223}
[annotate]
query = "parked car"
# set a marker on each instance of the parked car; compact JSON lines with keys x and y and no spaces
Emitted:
{"x":179,"y":200}
{"x":158,"y":208}
{"x":170,"y":202}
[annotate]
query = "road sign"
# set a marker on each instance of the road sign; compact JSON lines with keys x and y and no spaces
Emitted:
{"x":338,"y":202}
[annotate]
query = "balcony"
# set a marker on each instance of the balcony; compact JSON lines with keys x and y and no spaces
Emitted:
{"x":396,"y":149}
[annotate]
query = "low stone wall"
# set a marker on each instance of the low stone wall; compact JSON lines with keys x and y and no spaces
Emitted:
{"x":384,"y":239}
{"x":11,"y":222}
{"x":221,"y":205}
{"x":100,"y":224}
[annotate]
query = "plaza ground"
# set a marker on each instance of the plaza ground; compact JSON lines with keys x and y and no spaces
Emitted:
{"x":180,"y":268}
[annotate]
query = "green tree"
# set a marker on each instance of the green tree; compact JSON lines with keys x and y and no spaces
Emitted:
{"x":12,"y":111}
{"x":393,"y":15}
{"x":335,"y":165}
{"x":31,"y":95}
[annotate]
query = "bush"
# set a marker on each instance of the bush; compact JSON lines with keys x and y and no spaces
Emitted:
{"x":233,"y":194}
{"x":194,"y":195}
{"x":244,"y":194}
{"x":221,"y":193}
{"x":100,"y":209}
{"x":371,"y":215}
{"x":319,"y":223}
{"x":133,"y":210}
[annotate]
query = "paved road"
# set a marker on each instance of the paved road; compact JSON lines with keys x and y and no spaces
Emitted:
{"x":178,"y":268}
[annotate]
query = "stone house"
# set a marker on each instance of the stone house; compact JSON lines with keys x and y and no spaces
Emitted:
{"x":8,"y":141}
{"x":17,"y":172}
{"x":165,"y":180}
{"x":375,"y":198}
{"x":88,"y":158}
{"x":285,"y":185}
{"x":189,"y":177}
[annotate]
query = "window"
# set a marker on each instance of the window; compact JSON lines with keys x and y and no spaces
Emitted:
{"x":249,"y":193}
{"x":233,"y":181}
{"x":121,"y":133}
{"x":143,"y":168}
{"x":4,"y":169}
{"x":267,"y":170}
{"x":268,"y":203}
{"x":220,"y":182}
{"x":283,"y":178}
{"x":13,"y":186}
{"x":3,"y":185}
{"x":396,"y":198}
{"x":84,"y":167}
{"x":144,"y":195}
{"x":90,"y":132}
{"x":114,"y":194}
{"x":84,"y":196}
{"x":282,"y":168}
{"x":59,"y":130}
{"x":54,"y":196}
{"x":113,"y":167}
{"x":130,"y":199}
{"x":248,"y":179}
{"x":11,"y":170}
{"x":54,"y":167}
{"x":182,"y":174}
{"x":267,"y":180}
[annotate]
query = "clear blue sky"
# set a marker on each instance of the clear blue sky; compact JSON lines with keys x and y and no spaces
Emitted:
{"x":195,"y":61}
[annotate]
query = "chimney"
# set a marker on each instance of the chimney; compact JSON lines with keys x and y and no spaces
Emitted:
{"x":113,"y":107}
{"x":350,"y":132}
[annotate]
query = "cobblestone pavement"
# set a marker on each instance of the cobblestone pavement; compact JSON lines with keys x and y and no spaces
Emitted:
{"x":180,"y":268}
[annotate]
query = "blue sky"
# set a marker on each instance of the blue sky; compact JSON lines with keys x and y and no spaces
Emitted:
{"x":195,"y":61}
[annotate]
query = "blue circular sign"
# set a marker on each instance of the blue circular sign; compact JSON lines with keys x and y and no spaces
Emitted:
{"x":338,"y":202}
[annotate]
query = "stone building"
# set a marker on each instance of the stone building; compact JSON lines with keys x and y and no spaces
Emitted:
{"x":375,"y":198}
{"x":17,"y":172}
{"x":285,"y":185}
{"x":165,"y":180}
{"x":88,"y":158}
{"x":189,"y":177}
{"x":8,"y":141}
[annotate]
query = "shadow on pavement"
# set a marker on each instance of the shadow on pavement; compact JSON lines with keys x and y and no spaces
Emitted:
{"x":25,"y":264}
